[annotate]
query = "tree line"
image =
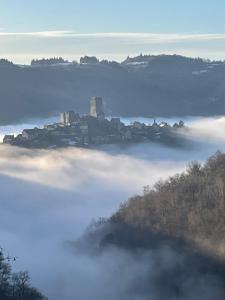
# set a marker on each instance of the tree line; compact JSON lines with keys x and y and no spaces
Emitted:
{"x":16,"y":286}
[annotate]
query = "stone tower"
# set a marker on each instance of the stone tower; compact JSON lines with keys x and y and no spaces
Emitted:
{"x":96,"y":108}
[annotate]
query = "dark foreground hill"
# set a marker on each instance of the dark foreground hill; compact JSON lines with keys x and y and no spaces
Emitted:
{"x":177,"y":229}
{"x":188,"y":207}
{"x":142,"y":86}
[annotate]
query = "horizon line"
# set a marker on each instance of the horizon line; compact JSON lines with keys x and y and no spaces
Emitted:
{"x":111,"y":60}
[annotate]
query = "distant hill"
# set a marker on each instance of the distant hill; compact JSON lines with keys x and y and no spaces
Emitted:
{"x":165,"y":85}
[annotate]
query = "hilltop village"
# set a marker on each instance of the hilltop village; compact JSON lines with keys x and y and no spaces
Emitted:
{"x":94,"y":129}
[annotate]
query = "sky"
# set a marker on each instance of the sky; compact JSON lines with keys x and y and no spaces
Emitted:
{"x":111,"y":29}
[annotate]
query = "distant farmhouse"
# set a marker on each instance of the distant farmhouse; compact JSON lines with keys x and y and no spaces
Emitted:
{"x":94,"y":129}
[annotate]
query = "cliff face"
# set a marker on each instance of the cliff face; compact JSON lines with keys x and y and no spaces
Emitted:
{"x":187,"y":207}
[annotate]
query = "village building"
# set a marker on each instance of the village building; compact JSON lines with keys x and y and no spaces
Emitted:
{"x":91,"y":129}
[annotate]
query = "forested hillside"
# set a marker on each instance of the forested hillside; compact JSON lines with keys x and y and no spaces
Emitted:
{"x":188,"y":207}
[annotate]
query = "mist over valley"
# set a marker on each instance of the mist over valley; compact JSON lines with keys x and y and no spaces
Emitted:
{"x":56,"y":195}
{"x":112,"y":150}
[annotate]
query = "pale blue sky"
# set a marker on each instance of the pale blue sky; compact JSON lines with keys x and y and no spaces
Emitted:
{"x":182,"y":17}
{"x":189,"y":16}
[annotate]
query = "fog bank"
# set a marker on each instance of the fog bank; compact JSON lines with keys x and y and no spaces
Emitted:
{"x":49,"y":197}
